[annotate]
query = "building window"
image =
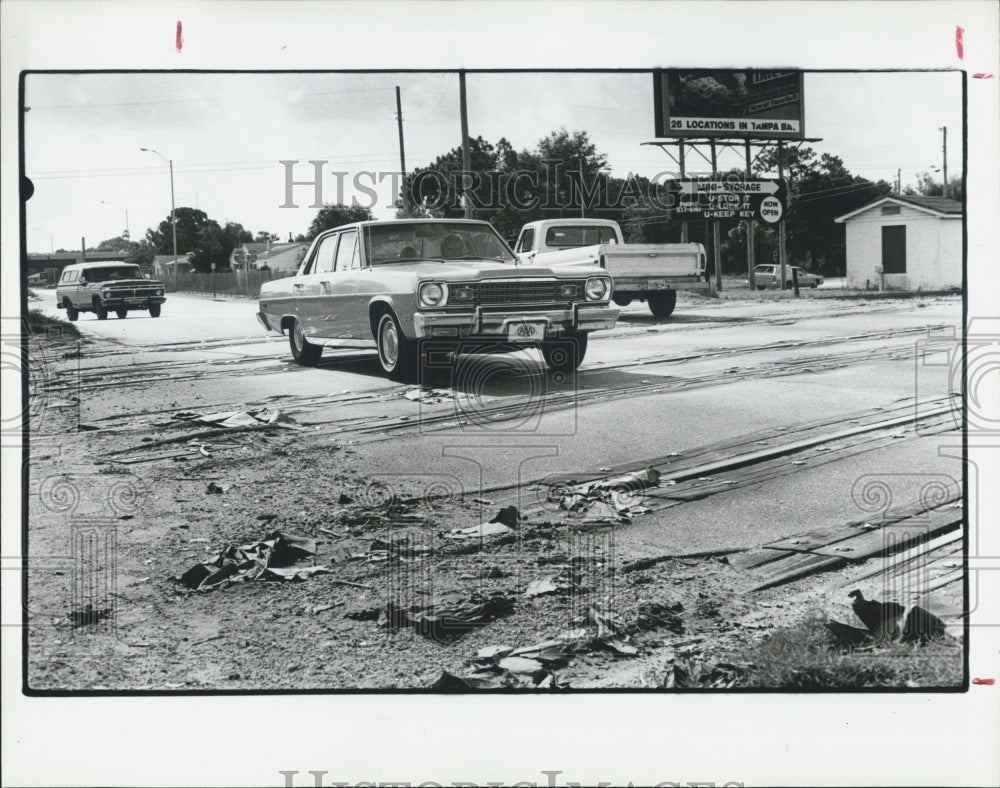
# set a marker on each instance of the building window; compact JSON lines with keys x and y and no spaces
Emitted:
{"x":890,"y":210}
{"x":894,"y":249}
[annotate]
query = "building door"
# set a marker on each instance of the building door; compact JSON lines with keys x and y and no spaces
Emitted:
{"x":894,"y":249}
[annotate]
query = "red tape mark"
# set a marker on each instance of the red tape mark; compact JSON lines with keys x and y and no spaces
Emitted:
{"x":982,"y":75}
{"x":179,"y":38}
{"x":959,"y":47}
{"x":986,"y":682}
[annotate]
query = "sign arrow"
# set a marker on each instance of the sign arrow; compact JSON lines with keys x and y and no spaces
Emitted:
{"x":738,"y":187}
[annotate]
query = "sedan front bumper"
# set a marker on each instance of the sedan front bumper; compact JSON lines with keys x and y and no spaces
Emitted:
{"x":494,"y":323}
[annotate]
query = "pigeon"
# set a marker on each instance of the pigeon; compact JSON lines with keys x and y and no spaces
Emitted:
{"x":881,"y":618}
{"x":921,"y":626}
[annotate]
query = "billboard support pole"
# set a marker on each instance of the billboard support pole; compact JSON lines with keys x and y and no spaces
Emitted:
{"x":716,"y":234}
{"x":782,"y":251}
{"x":750,"y":230}
{"x":684,"y":225}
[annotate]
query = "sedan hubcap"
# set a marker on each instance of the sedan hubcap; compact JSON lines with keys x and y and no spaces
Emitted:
{"x":390,"y":343}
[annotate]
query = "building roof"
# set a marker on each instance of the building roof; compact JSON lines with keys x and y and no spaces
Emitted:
{"x":937,"y":206}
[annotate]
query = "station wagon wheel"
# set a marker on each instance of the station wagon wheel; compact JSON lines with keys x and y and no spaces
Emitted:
{"x":72,"y":313}
{"x":566,"y":354}
{"x":662,"y":303}
{"x":396,"y":353}
{"x":305,"y":354}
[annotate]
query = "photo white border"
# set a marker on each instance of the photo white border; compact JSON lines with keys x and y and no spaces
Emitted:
{"x":618,"y":738}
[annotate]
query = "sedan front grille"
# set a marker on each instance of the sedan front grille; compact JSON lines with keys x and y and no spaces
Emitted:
{"x":530,"y":291}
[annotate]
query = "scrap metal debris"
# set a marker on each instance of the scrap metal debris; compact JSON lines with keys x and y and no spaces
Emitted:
{"x":231,"y":419}
{"x":503,"y":523}
{"x":269,"y":559}
{"x":443,"y":617}
{"x":659,"y":615}
{"x":611,"y":501}
{"x":89,"y":616}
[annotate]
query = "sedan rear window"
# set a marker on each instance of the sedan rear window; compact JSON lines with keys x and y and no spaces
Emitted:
{"x":571,"y":236}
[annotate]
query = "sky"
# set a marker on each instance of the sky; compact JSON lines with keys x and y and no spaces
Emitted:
{"x":227,"y":133}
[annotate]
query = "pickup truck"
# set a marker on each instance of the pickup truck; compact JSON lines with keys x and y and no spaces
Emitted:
{"x":647,"y":272}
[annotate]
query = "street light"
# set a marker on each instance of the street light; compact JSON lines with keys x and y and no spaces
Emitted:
{"x":52,"y":246}
{"x":944,"y":155}
{"x":173,"y":220}
{"x":128,"y":235}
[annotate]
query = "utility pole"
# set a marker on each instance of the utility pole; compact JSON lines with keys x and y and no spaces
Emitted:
{"x":750,"y":231}
{"x":402,"y":155}
{"x":899,"y":182}
{"x":680,"y":160}
{"x":466,"y":164}
{"x":782,"y":252}
{"x":944,"y":158}
{"x":716,"y":235}
{"x":582,"y":214}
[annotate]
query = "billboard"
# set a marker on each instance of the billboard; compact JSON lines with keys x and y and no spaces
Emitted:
{"x":753,"y":103}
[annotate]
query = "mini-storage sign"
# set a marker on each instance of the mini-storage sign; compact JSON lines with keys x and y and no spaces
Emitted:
{"x":730,"y":198}
{"x":742,"y":104}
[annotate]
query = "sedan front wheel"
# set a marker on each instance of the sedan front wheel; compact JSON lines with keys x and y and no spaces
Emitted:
{"x":396,"y":353}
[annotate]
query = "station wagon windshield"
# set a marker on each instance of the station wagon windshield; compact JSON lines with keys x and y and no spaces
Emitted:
{"x":111,"y":274}
{"x":396,"y":243}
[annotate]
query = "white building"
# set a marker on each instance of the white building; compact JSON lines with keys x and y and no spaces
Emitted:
{"x":914,"y":243}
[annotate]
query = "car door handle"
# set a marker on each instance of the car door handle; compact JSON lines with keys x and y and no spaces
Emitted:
{"x":325,"y":284}
{"x":298,"y":285}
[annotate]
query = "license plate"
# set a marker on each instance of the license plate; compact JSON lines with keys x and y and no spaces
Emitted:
{"x":525,"y":332}
{"x":657,"y":284}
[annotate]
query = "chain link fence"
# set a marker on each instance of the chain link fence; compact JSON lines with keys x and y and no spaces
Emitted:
{"x":229,"y":283}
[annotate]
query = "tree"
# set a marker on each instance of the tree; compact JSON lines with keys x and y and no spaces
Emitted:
{"x":212,"y":248}
{"x":139,"y":252}
{"x":819,"y":189}
{"x":928,"y":187}
{"x":334,"y":215}
{"x":190,"y":222}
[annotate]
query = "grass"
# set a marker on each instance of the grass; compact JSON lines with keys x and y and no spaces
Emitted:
{"x":40,"y":323}
{"x":804,"y":657}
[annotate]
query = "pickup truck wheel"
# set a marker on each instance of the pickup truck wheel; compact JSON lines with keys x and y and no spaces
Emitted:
{"x":396,"y":353}
{"x":154,"y":310}
{"x":566,"y":354}
{"x":621,"y":300}
{"x":102,"y":312}
{"x":761,"y":287}
{"x":662,"y":302}
{"x":72,"y":313}
{"x":122,"y":313}
{"x":305,"y":354}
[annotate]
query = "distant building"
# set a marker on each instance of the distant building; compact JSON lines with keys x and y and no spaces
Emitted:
{"x":163,"y":264}
{"x":914,"y":243}
{"x":267,"y":256}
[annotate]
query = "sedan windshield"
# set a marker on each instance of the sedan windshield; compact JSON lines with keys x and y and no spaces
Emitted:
{"x":407,"y":242}
{"x":111,"y":274}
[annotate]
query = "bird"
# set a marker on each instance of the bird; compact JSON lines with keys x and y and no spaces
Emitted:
{"x":921,"y":626}
{"x":881,"y":618}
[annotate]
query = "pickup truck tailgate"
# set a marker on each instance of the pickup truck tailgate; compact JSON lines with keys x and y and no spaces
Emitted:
{"x":632,"y":260}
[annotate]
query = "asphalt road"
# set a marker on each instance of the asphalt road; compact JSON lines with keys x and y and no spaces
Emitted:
{"x":721,"y":377}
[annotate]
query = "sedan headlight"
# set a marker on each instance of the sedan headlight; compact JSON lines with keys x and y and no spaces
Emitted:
{"x":598,"y":288}
{"x":433,"y":294}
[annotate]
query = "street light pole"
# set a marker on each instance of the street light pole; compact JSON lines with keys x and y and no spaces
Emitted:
{"x":128,"y":234}
{"x":173,"y":220}
{"x":944,"y":156}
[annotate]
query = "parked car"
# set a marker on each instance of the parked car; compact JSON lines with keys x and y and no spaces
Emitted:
{"x":768,"y":276}
{"x":107,"y":287}
{"x":388,"y":285}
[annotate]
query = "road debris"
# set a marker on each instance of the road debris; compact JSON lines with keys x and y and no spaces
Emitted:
{"x":481,"y":531}
{"x":660,"y":615}
{"x":264,"y":417}
{"x":268,"y":559}
{"x":447,"y":615}
{"x":881,"y":620}
{"x":89,"y":616}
